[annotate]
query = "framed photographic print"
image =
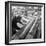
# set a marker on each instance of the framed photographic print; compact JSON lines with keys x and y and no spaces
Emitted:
{"x":24,"y":22}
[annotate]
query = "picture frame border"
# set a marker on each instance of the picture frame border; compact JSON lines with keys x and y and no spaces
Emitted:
{"x":7,"y":36}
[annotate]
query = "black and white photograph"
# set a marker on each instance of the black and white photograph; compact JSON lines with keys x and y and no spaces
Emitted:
{"x":24,"y":22}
